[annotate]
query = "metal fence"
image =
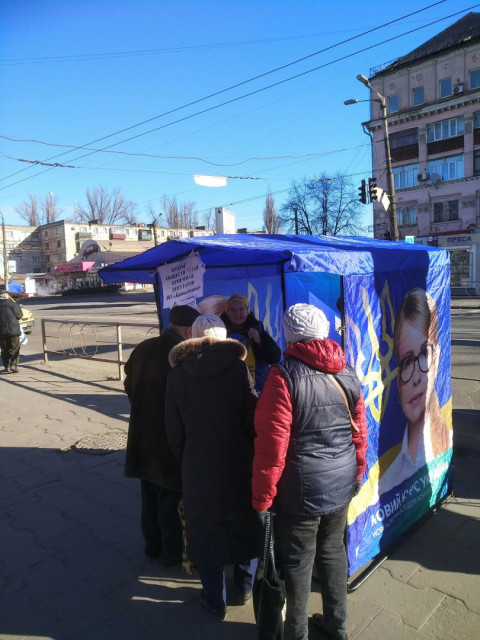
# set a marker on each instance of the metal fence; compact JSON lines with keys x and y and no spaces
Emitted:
{"x":110,"y":342}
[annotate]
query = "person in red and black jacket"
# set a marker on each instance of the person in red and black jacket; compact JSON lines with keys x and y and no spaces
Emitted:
{"x":309,"y":462}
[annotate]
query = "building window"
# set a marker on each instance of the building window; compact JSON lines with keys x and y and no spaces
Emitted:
{"x":476,"y":163}
{"x":59,"y":243}
{"x":403,"y":138}
{"x":83,"y":229}
{"x":405,"y":176}
{"x":407,"y":215}
{"x":47,"y":245}
{"x":60,"y":256}
{"x":36,"y":258}
{"x":37,"y":270}
{"x":118,"y":230}
{"x":392,"y":104}
{"x":445,"y":129}
{"x":45,"y":234}
{"x":445,"y":211}
{"x":446,"y":168}
{"x":445,"y":87}
{"x":58,"y":231}
{"x":418,"y":96}
{"x":474,"y":78}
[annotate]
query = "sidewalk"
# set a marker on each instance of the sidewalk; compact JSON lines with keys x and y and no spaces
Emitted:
{"x":71,"y":560}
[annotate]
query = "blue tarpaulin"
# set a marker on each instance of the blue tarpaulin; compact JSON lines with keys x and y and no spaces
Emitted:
{"x":373,"y":277}
{"x":15,"y":287}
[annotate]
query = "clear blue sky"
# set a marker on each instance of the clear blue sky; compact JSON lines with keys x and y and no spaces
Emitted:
{"x":78,"y":71}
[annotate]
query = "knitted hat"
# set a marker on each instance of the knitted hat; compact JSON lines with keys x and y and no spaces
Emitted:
{"x":210,"y":326}
{"x":182,"y":315}
{"x":237,"y":296}
{"x":305,"y":322}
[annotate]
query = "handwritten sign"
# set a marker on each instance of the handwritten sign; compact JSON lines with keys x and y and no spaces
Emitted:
{"x":182,"y":282}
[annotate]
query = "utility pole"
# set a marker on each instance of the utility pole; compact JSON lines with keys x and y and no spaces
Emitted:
{"x":392,"y":209}
{"x":4,"y":245}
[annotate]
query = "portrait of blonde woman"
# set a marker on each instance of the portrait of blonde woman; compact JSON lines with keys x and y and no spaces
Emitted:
{"x":418,"y":355}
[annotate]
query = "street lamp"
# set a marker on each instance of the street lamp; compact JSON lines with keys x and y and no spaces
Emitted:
{"x":392,"y":209}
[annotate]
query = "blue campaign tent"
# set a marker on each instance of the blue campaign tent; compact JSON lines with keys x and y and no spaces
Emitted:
{"x":14,"y":287}
{"x":371,"y":277}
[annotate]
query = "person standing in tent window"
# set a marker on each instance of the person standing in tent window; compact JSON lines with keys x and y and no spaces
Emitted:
{"x":309,"y":461}
{"x":243,"y":326}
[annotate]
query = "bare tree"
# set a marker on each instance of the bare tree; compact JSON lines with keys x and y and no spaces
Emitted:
{"x":183,"y":215}
{"x":271,"y":219}
{"x":36,"y":212}
{"x":29,"y":211}
{"x":324,"y":206}
{"x":107,"y":207}
{"x":50,"y":209}
{"x":209,"y":220}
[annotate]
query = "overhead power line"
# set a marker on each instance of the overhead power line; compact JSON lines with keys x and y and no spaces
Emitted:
{"x":244,"y":82}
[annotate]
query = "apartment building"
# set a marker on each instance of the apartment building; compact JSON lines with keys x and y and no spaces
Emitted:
{"x":45,"y":248}
{"x":433,"y":110}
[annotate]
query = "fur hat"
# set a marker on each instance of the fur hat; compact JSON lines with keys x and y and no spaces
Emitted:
{"x":305,"y":322}
{"x":237,"y":296}
{"x":210,"y":326}
{"x":182,"y":315}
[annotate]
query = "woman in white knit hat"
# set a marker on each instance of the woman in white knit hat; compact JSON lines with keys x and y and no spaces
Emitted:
{"x":209,"y":414}
{"x":309,"y":458}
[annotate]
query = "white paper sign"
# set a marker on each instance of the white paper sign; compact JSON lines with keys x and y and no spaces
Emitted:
{"x":182,"y":282}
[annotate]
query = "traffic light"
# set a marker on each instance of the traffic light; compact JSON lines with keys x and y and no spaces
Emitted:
{"x":372,"y":189}
{"x":362,"y":193}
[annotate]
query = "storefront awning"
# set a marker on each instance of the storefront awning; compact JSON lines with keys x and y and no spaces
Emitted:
{"x":74,"y":267}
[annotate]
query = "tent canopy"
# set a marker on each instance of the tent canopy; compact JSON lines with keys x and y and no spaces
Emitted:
{"x":276,"y":253}
{"x":371,"y":278}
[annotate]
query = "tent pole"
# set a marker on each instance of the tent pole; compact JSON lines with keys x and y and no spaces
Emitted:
{"x":156,"y":289}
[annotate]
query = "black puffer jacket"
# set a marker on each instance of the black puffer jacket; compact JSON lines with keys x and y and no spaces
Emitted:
{"x":149,"y":456}
{"x":320,"y":467}
{"x":10,"y":314}
{"x":209,"y":415}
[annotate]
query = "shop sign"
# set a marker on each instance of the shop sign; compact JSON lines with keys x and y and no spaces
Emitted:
{"x":459,"y":239}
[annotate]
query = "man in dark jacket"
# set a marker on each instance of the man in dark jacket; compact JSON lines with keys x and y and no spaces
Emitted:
{"x":10,"y":314}
{"x":209,"y":408}
{"x":149,"y":456}
{"x":309,"y":458}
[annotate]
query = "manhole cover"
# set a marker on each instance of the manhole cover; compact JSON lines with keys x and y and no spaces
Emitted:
{"x":102,"y":444}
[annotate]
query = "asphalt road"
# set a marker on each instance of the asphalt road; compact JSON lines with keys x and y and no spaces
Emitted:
{"x":136,"y":311}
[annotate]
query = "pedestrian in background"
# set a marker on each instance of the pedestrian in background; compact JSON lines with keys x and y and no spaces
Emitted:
{"x":148,"y":455}
{"x":309,"y":459}
{"x":209,"y":418}
{"x":261,"y":349}
{"x":10,"y":332}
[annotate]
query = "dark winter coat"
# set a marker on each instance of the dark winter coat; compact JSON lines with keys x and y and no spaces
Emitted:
{"x":10,"y":314}
{"x":148,"y":455}
{"x":308,"y":456}
{"x":209,"y":412}
{"x":260,"y":356}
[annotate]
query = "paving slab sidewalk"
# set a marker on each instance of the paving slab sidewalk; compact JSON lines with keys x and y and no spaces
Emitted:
{"x":71,"y":560}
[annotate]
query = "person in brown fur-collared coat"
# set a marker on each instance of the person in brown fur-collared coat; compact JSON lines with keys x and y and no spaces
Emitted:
{"x":210,"y":404}
{"x":149,"y":456}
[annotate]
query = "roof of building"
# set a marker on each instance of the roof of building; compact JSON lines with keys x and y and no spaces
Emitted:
{"x":465,"y":30}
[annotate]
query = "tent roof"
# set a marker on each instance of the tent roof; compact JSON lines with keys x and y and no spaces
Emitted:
{"x":331,"y":254}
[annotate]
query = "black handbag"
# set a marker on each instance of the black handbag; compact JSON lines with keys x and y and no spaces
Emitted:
{"x":268,"y":590}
